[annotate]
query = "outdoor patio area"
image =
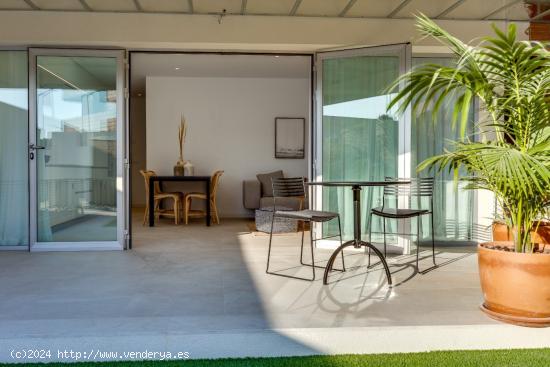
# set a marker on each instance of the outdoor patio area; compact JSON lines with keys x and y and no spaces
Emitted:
{"x":206,"y":291}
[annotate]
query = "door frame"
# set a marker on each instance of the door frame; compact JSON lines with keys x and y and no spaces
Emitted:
{"x":404,"y":51}
{"x":121,"y":176}
{"x":136,"y":51}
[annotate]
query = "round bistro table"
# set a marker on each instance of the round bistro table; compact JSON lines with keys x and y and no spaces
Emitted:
{"x":356,"y":187}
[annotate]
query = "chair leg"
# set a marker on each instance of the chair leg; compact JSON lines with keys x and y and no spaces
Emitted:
{"x":312,"y":255}
{"x":215,"y":207}
{"x":213,"y":213}
{"x":186,"y":206}
{"x":433,"y":237}
{"x":270,"y":240}
{"x":301,"y":253}
{"x":156,"y":211}
{"x":370,"y":237}
{"x":341,"y":242}
{"x":417,"y":242}
{"x":302,"y":245}
{"x":314,"y":245}
{"x":384,"y":228}
{"x":146,"y":214}
{"x":176,"y":211}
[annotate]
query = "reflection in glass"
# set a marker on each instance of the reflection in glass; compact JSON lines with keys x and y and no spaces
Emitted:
{"x":76,"y":172}
{"x":360,"y":138}
{"x":14,"y":189}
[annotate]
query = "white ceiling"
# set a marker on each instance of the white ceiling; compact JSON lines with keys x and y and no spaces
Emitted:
{"x":215,"y":65}
{"x":443,"y":9}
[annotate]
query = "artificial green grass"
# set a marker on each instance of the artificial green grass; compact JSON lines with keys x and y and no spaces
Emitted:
{"x":491,"y":358}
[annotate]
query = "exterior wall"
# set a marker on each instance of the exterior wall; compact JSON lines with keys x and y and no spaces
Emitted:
{"x":236,"y":33}
{"x":230,"y":127}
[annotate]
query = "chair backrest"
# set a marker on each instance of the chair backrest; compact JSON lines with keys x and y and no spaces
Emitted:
{"x":146,"y":175}
{"x":423,"y":186}
{"x":214,"y":183}
{"x":418,"y":187}
{"x":288,"y":187}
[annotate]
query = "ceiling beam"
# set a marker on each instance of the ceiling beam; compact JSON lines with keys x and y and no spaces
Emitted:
{"x":398,"y":9}
{"x":32,"y":5}
{"x":85,"y":5}
{"x":347,"y":8}
{"x":191,"y":7}
{"x":295,"y":7}
{"x":455,"y":5}
{"x":312,"y":16}
{"x":504,"y":7}
{"x":138,"y":5}
{"x":541,"y":15}
{"x":243,"y":7}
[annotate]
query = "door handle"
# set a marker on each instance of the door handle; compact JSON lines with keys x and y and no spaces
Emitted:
{"x":32,"y":148}
{"x":36,"y":147}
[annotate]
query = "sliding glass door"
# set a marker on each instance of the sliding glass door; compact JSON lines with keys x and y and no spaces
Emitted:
{"x":357,"y":138}
{"x":76,"y":149}
{"x":14,"y":188}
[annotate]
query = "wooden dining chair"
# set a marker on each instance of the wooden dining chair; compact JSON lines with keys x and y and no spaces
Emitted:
{"x":159,"y":195}
{"x":188,"y":200}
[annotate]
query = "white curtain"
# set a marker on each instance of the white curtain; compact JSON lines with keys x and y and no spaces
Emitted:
{"x":453,"y":206}
{"x":14,"y":199}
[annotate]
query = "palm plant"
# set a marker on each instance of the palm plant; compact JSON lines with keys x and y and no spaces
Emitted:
{"x":511,"y":154}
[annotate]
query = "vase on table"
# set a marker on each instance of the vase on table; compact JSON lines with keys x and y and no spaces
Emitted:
{"x":189,"y":169}
{"x":179,"y":168}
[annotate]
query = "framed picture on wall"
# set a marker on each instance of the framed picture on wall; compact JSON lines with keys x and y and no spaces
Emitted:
{"x":290,"y":137}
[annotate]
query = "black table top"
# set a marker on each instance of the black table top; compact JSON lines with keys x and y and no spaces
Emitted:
{"x":180,"y":178}
{"x":358,"y":183}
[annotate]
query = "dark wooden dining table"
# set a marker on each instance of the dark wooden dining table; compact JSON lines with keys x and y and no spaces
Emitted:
{"x":357,"y":242}
{"x":161,"y":179}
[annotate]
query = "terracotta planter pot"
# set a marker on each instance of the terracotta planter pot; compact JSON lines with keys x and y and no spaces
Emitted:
{"x":516,"y":286}
{"x":501,"y":232}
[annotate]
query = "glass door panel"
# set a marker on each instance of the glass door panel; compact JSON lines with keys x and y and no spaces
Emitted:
{"x":453,"y":205}
{"x":77,"y":151}
{"x":358,"y":139}
{"x":14,"y":187}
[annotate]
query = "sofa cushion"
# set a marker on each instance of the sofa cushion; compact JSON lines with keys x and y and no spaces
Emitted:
{"x":265,"y":180}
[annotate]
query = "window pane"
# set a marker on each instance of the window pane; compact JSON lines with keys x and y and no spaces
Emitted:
{"x":360,"y":138}
{"x":76,"y":170}
{"x":14,"y":196}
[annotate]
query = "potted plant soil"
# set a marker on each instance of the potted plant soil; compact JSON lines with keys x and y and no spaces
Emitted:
{"x":510,"y":156}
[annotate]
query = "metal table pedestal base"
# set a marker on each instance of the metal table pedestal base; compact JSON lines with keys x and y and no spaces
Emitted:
{"x":356,"y":244}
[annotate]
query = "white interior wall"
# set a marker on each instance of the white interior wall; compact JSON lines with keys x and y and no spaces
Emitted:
{"x":230,"y":127}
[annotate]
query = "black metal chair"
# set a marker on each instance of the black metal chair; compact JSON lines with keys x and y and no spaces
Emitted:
{"x":419,"y":188}
{"x":295,"y":188}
